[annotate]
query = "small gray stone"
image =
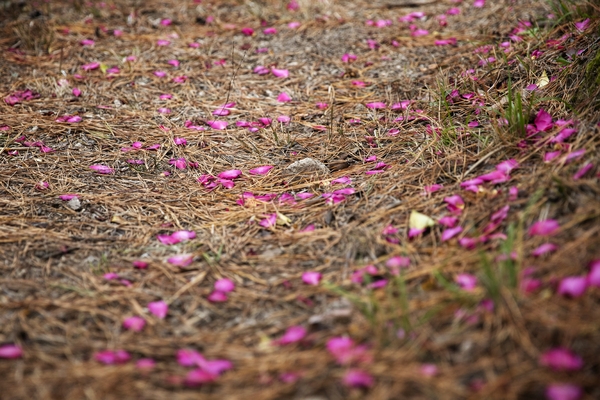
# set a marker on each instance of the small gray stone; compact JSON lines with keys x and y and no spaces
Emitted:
{"x":308,"y":166}
{"x":74,"y":204}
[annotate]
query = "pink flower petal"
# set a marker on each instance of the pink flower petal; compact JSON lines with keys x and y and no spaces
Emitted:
{"x":582,"y":25}
{"x":561,"y":359}
{"x":284,"y":97}
{"x":450,"y":233}
{"x":432,"y":188}
{"x":158,"y":308}
{"x":179,"y":163}
{"x":102,"y":169}
{"x":179,"y":141}
{"x":217,"y":296}
{"x":543,"y":121}
{"x":145,"y":364}
{"x":344,"y":180}
{"x":135,"y":324}
{"x":573,"y":286}
{"x":263,"y":170}
{"x":218,"y":125}
{"x":545,"y":248}
{"x":544,"y":228}
{"x":429,"y":370}
{"x":90,"y":66}
{"x":375,"y":105}
{"x":292,"y":335}
{"x":311,"y":278}
{"x":230,"y":174}
{"x":455,"y":204}
{"x":67,"y":197}
{"x":198,"y":377}
{"x":448,"y":221}
{"x":181,"y":260}
{"x":10,"y":351}
{"x":467,"y":282}
{"x":280,"y":73}
{"x":140,"y":264}
{"x":563,"y":391}
{"x":582,"y":171}
{"x":224,"y":285}
{"x":593,"y":277}
{"x":110,"y":357}
{"x":189,"y":358}
{"x":358,"y":378}
{"x":396,"y":263}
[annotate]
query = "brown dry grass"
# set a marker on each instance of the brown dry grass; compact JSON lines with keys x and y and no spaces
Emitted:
{"x":55,"y":303}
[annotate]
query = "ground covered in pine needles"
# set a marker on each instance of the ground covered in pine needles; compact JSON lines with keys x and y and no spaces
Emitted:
{"x":299,"y":200}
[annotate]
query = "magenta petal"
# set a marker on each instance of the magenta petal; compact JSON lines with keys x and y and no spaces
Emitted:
{"x":311,"y":278}
{"x":145,"y":363}
{"x":158,"y":308}
{"x":284,"y":97}
{"x":344,"y":180}
{"x":561,"y":359}
{"x":543,"y":121}
{"x":450,"y":233}
{"x":166,"y":239}
{"x":455,"y":203}
{"x":432,"y":188}
{"x":280,"y":73}
{"x":217,"y":297}
{"x":582,"y":171}
{"x":429,"y":370}
{"x":140,"y":264}
{"x":67,"y":197}
{"x":219,"y":125}
{"x":189,"y":358}
{"x":357,"y":378}
{"x":544,"y":249}
{"x":563,"y":391}
{"x":448,"y":222}
{"x":230,"y":174}
{"x":112,"y":357}
{"x":593,"y":278}
{"x":10,"y":351}
{"x":182,"y":236}
{"x":544,"y":228}
{"x":467,"y":282}
{"x":102,"y":169}
{"x":551,"y":155}
{"x":582,"y":25}
{"x":398,"y":262}
{"x":573,"y":286}
{"x":375,"y":105}
{"x":198,"y":377}
{"x":224,"y":285}
{"x":135,"y":324}
{"x":468,"y":243}
{"x":263,"y":170}
{"x":412,"y":232}
{"x":181,"y":260}
{"x":179,"y":141}
{"x":268,"y":222}
{"x":292,"y":335}
{"x":216,"y":367}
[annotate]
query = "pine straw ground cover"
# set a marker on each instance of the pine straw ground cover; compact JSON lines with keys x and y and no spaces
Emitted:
{"x":440,"y":243}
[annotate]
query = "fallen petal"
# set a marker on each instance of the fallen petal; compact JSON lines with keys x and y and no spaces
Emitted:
{"x":158,"y":308}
